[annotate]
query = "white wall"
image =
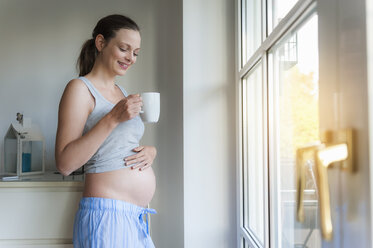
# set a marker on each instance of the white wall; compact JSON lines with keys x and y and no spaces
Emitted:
{"x":168,"y":224}
{"x":209,"y":124}
{"x":40,"y":42}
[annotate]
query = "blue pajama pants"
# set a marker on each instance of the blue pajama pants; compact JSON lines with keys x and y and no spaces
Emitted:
{"x":109,"y":223}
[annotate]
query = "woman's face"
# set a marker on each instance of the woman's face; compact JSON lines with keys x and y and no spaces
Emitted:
{"x":121,"y":51}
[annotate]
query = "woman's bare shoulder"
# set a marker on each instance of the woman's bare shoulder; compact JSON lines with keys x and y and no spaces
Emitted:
{"x":76,"y":93}
{"x":77,"y":88}
{"x":76,"y":84}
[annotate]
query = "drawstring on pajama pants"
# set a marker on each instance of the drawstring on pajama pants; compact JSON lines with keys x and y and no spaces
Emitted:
{"x":145,"y":223}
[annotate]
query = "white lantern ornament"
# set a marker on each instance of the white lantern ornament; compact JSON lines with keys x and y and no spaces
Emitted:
{"x":24,"y":147}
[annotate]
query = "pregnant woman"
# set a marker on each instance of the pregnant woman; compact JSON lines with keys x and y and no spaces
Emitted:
{"x":99,"y":127}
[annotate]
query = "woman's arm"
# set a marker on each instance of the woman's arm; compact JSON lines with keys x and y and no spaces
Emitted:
{"x":72,"y":149}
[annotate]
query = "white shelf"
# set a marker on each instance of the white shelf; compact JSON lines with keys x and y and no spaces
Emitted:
{"x":48,"y":177}
{"x":38,"y":212}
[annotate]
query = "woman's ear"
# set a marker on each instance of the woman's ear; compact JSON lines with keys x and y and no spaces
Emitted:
{"x":100,"y":42}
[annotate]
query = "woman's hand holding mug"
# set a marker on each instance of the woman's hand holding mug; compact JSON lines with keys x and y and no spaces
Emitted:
{"x":127,"y":108}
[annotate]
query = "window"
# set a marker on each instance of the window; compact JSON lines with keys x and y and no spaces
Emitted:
{"x":253,"y":136}
{"x":278,"y":10}
{"x":251,"y":27}
{"x":293,"y":66}
{"x":278,"y":89}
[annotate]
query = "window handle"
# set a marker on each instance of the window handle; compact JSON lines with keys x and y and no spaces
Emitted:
{"x":338,"y":147}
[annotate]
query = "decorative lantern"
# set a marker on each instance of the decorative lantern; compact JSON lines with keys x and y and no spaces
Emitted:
{"x":24,"y":147}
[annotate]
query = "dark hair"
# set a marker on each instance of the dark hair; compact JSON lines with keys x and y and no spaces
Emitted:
{"x":107,"y":27}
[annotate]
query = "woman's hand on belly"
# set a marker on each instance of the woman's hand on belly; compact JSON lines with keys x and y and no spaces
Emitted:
{"x":143,"y":158}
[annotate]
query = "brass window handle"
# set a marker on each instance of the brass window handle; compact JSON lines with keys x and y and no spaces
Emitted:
{"x":338,"y":147}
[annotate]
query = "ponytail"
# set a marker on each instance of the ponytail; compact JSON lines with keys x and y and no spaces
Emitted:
{"x":87,"y":57}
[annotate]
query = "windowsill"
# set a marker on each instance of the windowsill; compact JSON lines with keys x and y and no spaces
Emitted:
{"x":48,"y":178}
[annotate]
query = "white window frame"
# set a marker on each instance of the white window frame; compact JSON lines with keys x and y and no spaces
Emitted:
{"x":300,"y":9}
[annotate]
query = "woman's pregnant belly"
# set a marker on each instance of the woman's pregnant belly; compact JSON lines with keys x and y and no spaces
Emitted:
{"x":128,"y":185}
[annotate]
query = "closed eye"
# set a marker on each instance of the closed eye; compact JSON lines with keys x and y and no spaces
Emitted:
{"x":125,"y":50}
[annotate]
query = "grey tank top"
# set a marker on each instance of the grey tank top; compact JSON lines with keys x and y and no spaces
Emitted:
{"x":119,"y":144}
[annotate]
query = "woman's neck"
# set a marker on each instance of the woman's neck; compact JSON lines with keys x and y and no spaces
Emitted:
{"x":100,"y":74}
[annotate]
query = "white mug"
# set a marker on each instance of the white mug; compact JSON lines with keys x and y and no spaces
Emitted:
{"x":150,"y":107}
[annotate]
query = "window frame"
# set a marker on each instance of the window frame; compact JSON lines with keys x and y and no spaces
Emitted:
{"x":245,"y":233}
{"x":290,"y":22}
{"x":273,"y":93}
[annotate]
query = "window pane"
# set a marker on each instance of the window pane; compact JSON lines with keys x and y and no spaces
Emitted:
{"x":280,"y":8}
{"x":295,"y":82}
{"x":251,"y":28}
{"x":244,"y":243}
{"x":253,"y":153}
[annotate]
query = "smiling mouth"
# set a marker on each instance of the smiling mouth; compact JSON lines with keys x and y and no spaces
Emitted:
{"x":123,"y":65}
